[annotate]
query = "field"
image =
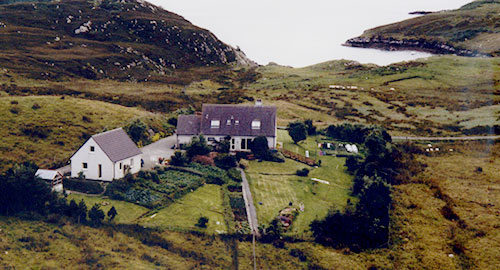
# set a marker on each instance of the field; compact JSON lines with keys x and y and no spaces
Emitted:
{"x":275,"y":185}
{"x":38,"y":245}
{"x":184,"y":213}
{"x":128,"y":213}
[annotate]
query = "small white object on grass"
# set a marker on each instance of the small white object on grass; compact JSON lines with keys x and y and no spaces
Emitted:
{"x":218,"y":222}
{"x":321,"y":181}
{"x":307,"y":153}
{"x":153,"y":216}
{"x":429,"y":145}
{"x":451,"y":255}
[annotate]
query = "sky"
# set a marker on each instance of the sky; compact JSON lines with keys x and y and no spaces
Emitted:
{"x":300,"y":33}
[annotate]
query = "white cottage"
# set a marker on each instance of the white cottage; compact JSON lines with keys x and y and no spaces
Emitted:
{"x":107,"y":156}
{"x":240,"y":122}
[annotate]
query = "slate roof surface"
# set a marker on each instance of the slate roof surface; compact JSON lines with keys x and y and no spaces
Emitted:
{"x":46,"y":174}
{"x":116,"y":144}
{"x":244,"y":115}
{"x":188,"y":124}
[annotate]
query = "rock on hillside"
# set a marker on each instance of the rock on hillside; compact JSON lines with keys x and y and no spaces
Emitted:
{"x":117,"y":39}
{"x":472,"y":30}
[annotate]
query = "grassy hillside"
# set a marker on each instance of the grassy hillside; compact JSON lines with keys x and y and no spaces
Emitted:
{"x":473,"y":27}
{"x":437,"y":95}
{"x":49,"y":129}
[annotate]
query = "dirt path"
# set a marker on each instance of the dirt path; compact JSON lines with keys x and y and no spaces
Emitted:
{"x":251,"y":212}
{"x":461,"y":138}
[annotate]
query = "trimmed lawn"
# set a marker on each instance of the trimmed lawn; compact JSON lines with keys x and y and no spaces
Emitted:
{"x":128,"y":213}
{"x":275,"y":185}
{"x":185,"y":212}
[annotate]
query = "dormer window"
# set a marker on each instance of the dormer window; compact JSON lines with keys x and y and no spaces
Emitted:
{"x":228,"y":122}
{"x":237,"y":122}
{"x":214,"y":124}
{"x":256,"y":124}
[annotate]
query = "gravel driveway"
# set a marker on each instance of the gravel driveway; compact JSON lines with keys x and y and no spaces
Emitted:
{"x":159,"y":149}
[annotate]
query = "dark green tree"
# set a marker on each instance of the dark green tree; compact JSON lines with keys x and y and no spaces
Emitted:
{"x":224,"y":145}
{"x":179,"y":159}
{"x":96,"y":215}
{"x":73,"y":210}
{"x":82,"y":212}
{"x":260,"y":148}
{"x":112,"y":213}
{"x":137,"y":130}
{"x":311,"y":129}
{"x":21,"y":190}
{"x":298,"y":131}
{"x":198,"y":146}
{"x":202,"y":222}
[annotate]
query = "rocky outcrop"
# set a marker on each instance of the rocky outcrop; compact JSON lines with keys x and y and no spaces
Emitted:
{"x":116,"y":39}
{"x":392,"y":44}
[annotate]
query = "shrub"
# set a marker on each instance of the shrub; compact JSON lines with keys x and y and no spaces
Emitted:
{"x":223,"y":146}
{"x":303,"y":172}
{"x":86,"y":119}
{"x":14,"y":102}
{"x":84,"y":186}
{"x":179,"y":159}
{"x":234,"y":174}
{"x":137,"y":130}
{"x":36,"y":106}
{"x":202,"y":222}
{"x":216,"y":180}
{"x":172,"y":121}
{"x":15,"y":110}
{"x":204,"y":160}
{"x":96,"y":214}
{"x":36,"y":131}
{"x":198,"y":146}
{"x":225,"y":161}
{"x":112,"y":213}
{"x":260,"y":148}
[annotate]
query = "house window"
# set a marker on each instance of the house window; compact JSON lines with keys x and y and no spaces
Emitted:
{"x":211,"y":139}
{"x":92,"y":149}
{"x":85,"y":165}
{"x":228,"y":122}
{"x":100,"y":170}
{"x":244,"y":144}
{"x":233,"y":144}
{"x":131,"y":163}
{"x":256,"y":124}
{"x":120,"y":165}
{"x":215,"y":124}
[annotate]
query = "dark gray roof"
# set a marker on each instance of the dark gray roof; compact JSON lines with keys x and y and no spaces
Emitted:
{"x":188,"y":124}
{"x":116,"y":144}
{"x":241,"y":113}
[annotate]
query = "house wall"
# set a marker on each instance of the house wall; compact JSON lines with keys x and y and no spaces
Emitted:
{"x":93,"y":159}
{"x":134,"y":163}
{"x":185,"y":139}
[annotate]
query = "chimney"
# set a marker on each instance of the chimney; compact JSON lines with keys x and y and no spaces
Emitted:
{"x":258,"y":102}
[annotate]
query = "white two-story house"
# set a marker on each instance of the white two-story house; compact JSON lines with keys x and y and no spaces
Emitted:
{"x":240,"y":122}
{"x":107,"y":156}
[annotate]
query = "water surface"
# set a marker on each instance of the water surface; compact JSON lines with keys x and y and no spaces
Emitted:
{"x":300,"y":33}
